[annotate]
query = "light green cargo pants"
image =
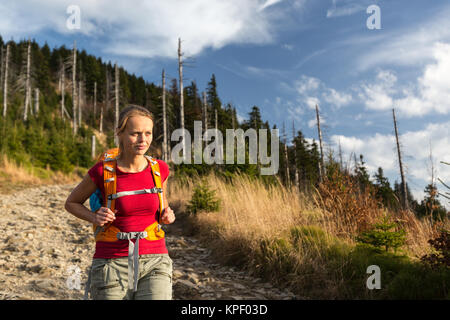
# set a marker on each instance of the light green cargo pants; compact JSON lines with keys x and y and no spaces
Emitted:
{"x":110,"y":278}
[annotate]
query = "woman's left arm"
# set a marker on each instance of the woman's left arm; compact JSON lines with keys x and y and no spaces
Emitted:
{"x":168,"y":216}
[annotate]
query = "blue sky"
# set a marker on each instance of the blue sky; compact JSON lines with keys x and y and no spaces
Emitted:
{"x":285,"y":56}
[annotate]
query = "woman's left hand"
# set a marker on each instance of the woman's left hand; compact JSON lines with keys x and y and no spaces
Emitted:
{"x":168,"y":216}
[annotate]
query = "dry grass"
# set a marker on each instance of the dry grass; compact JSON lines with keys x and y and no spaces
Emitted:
{"x":15,"y":176}
{"x":254,"y":211}
{"x":256,"y":227}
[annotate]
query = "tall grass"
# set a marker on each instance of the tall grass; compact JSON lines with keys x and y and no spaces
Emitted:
{"x":303,"y":241}
{"x":14,"y":175}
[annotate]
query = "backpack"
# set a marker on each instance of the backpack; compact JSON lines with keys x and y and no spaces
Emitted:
{"x":109,"y":232}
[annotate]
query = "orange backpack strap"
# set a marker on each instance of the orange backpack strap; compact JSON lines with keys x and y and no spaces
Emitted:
{"x":109,"y":183}
{"x":158,"y":184}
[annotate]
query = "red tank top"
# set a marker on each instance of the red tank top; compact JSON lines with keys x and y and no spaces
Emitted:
{"x":135,"y":212}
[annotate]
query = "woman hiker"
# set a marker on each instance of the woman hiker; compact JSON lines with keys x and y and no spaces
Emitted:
{"x":131,"y":260}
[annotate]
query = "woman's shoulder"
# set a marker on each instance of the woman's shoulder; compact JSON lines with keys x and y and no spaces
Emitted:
{"x":163,"y":166}
{"x":96,"y":169}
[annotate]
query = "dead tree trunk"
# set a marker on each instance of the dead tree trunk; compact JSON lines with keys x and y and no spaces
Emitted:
{"x":180,"y":73}
{"x":321,"y":164}
{"x":2,"y":57}
{"x":27,"y":84}
{"x":74,"y":88}
{"x":216,"y":120}
{"x":165,"y":149}
{"x":36,"y":102}
{"x":63,"y":87}
{"x":106,"y":105}
{"x":233,"y":123}
{"x":116,"y":91}
{"x":5,"y":86}
{"x":80,"y":102}
{"x":294,"y":140}
{"x":405,"y":195}
{"x":95,"y":101}
{"x":93,"y":147}
{"x":205,"y":112}
{"x":101,"y":118}
{"x":288,"y":180}
{"x":341,"y":164}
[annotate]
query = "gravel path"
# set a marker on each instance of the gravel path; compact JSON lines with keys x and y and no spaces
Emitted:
{"x":44,"y":250}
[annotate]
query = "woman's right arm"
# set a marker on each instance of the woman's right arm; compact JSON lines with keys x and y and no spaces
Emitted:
{"x":75,"y":204}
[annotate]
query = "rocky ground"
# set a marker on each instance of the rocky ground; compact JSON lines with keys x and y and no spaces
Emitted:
{"x":44,"y":251}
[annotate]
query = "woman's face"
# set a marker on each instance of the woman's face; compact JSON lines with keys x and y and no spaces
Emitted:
{"x":137,"y":136}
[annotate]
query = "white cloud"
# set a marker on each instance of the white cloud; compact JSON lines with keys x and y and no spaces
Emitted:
{"x":311,"y":102}
{"x":344,"y":8}
{"x":380,"y":150}
{"x":269,"y":3}
{"x":307,"y":84}
{"x":377,"y":95}
{"x":430,"y":93}
{"x":336,"y":98}
{"x":147,"y":28}
{"x":377,"y":150}
{"x":262,"y":72}
{"x":412,"y":45}
{"x":311,"y":90}
{"x":435,"y":83}
{"x":313,"y":122}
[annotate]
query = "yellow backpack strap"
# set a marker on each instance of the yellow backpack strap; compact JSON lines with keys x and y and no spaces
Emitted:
{"x":158,"y":184}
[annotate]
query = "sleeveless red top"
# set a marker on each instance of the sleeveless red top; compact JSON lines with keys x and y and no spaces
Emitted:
{"x":134,"y":212}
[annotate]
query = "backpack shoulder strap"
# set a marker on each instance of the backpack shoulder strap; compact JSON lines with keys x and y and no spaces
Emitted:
{"x":109,"y":180}
{"x":158,"y":183}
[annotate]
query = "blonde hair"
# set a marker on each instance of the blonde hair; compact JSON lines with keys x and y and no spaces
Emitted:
{"x":128,"y":112}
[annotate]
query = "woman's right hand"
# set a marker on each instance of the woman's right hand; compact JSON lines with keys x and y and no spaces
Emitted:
{"x":103,"y":216}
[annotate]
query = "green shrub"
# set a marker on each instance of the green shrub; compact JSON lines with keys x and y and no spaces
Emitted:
{"x":383,"y":235}
{"x":203,"y":199}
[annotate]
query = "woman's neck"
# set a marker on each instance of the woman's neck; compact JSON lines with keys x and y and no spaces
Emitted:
{"x":134,"y":163}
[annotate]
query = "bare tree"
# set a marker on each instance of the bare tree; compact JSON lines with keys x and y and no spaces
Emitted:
{"x":27,"y":84}
{"x":95,"y":100}
{"x":93,"y":147}
{"x":445,"y":194}
{"x":205,"y":113}
{"x":80,"y":102}
{"x":433,"y":188}
{"x":180,"y":73}
{"x":294,"y":141}
{"x":116,"y":85}
{"x":233,"y":118}
{"x":405,"y":193}
{"x":108,"y":81}
{"x":341,"y":164}
{"x":321,"y":163}
{"x":165,"y":148}
{"x":2,"y":67}
{"x":63,"y":87}
{"x":36,"y":101}
{"x":74,"y":87}
{"x":288,"y":181}
{"x":5,"y":85}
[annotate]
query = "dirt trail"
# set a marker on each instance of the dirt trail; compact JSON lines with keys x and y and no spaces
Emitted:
{"x":44,"y":250}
